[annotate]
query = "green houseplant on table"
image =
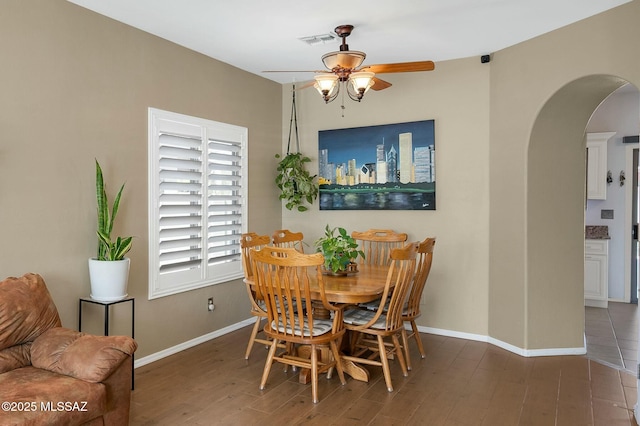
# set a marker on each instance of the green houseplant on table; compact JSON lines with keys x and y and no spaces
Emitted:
{"x":339,"y":250}
{"x":109,"y":270}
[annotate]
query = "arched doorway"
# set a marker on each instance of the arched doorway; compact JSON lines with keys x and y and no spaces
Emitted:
{"x":555,"y":212}
{"x":611,"y":330}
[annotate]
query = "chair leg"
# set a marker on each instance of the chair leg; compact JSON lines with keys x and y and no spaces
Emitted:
{"x":268,"y":363}
{"x":385,"y":363}
{"x":338,"y":361}
{"x":338,"y":346}
{"x":416,"y":335}
{"x":314,"y":373}
{"x":252,"y":338}
{"x":405,"y":344}
{"x":401,"y":357}
{"x":290,"y":349}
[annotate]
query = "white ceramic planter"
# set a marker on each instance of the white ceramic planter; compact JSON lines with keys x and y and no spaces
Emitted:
{"x":109,"y":279}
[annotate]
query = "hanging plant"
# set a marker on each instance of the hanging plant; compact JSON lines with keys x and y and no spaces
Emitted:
{"x":296,"y":184}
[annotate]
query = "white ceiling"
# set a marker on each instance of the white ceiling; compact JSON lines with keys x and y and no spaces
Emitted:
{"x":258,"y":35}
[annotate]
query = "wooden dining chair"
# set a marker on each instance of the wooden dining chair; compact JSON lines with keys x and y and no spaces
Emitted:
{"x":412,"y":307}
{"x":377,"y":245}
{"x":247,"y":242}
{"x":286,"y":238}
{"x":283,"y":274}
{"x":385,"y":322}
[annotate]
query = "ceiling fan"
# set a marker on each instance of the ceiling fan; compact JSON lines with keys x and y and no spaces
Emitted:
{"x":346,"y":66}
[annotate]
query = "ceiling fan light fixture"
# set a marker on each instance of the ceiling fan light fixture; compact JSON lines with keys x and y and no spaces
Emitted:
{"x":326,"y":84}
{"x":347,"y":59}
{"x":344,"y":69}
{"x":361,"y":82}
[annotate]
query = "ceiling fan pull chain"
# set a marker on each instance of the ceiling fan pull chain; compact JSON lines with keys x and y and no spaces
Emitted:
{"x":293,"y":120}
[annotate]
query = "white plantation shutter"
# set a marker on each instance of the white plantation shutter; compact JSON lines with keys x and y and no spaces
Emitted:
{"x":197,"y":202}
{"x":179,"y":217}
{"x":224,"y":201}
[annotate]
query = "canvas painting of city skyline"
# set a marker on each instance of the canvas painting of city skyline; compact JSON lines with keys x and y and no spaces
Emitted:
{"x":385,"y":167}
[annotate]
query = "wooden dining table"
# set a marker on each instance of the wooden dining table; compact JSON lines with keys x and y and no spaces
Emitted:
{"x":363,"y":286}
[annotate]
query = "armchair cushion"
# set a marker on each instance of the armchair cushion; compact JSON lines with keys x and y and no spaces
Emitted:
{"x":46,"y":390}
{"x":26,"y":310}
{"x":83,"y":356}
{"x":15,"y":357}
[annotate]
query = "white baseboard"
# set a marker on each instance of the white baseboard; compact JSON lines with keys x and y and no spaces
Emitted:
{"x":596,"y":303}
{"x":191,"y":343}
{"x":438,"y":331}
{"x":506,"y":346}
{"x":619,"y":300}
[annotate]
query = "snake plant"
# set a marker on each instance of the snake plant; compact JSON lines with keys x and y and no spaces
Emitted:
{"x":108,"y":249}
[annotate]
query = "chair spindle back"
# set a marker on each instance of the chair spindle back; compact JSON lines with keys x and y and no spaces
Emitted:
{"x":423,"y":267}
{"x":286,"y":238}
{"x":283,"y":277}
{"x":248,"y":241}
{"x":401,"y":272}
{"x":377,"y":245}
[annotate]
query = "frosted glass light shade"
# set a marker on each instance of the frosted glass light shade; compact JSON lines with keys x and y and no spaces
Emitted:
{"x":348,"y":59}
{"x":325,"y":83}
{"x":362,"y":80}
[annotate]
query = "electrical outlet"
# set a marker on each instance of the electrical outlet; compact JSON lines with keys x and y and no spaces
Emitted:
{"x":210,"y":305}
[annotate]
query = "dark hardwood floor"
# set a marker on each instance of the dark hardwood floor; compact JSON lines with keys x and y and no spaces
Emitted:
{"x":460,"y":382}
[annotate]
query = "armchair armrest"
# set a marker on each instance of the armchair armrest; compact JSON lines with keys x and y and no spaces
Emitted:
{"x":83,"y":356}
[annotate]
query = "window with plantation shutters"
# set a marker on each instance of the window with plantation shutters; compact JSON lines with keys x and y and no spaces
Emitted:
{"x":197,"y":203}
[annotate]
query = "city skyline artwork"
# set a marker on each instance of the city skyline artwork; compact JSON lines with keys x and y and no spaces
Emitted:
{"x":383,"y":167}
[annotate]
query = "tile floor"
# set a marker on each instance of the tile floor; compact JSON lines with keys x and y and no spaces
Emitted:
{"x":612,"y":335}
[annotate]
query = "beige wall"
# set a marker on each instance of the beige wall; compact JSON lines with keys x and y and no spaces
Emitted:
{"x":76,"y":86}
{"x":508,"y":261}
{"x":510,"y":268}
{"x":542,"y":94}
{"x":456,"y":96}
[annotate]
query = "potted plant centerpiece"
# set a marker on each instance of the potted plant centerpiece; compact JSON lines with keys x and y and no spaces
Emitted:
{"x":109,"y":270}
{"x":339,"y":250}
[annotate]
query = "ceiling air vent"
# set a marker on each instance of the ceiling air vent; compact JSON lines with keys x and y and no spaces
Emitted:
{"x":320,"y":39}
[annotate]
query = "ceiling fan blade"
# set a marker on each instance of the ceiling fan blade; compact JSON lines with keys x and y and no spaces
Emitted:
{"x":379,"y":84}
{"x":401,"y":67}
{"x":305,"y":85}
{"x":315,"y":71}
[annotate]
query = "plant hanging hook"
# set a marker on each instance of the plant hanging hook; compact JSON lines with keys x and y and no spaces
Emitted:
{"x":293,"y":121}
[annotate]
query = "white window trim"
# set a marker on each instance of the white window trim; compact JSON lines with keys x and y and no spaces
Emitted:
{"x":160,"y":120}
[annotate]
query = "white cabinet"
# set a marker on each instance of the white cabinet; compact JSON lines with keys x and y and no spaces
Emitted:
{"x":596,"y":273}
{"x":597,"y":165}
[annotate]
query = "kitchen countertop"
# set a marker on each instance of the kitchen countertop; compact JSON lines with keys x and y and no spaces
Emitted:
{"x":596,"y":232}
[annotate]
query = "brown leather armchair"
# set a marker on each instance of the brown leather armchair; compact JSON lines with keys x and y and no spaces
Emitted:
{"x":53,"y":375}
